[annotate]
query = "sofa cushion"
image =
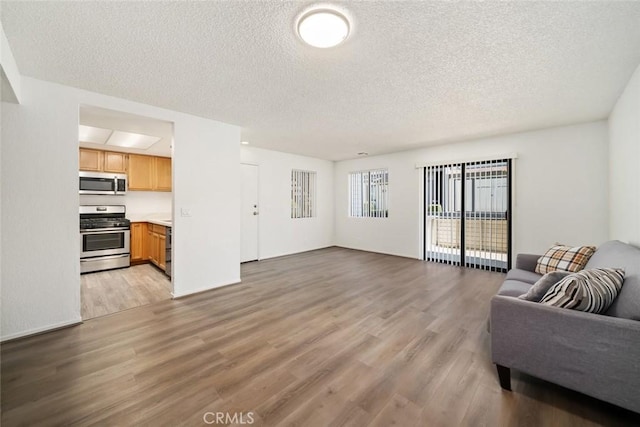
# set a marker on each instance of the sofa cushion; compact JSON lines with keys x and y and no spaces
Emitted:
{"x":592,"y":290}
{"x":564,"y":258}
{"x":616,"y":254}
{"x":523,"y":276}
{"x":513,"y":288}
{"x":540,"y":288}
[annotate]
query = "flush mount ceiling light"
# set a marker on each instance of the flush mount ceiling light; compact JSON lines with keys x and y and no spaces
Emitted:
{"x":323,"y":28}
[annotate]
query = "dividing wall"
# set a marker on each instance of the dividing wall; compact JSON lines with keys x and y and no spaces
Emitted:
{"x":39,"y":185}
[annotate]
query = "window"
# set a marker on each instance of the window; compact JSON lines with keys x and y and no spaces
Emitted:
{"x":303,"y":194}
{"x":467,"y":214}
{"x":368,"y":194}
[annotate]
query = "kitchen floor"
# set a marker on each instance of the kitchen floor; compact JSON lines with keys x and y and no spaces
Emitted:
{"x":111,"y":291}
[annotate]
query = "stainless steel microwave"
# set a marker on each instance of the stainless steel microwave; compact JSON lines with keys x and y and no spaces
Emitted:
{"x":112,"y":184}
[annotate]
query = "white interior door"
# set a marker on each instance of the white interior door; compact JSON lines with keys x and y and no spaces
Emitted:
{"x":249,"y":214}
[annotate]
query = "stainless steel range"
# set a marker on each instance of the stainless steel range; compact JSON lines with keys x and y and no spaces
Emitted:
{"x":104,"y":238}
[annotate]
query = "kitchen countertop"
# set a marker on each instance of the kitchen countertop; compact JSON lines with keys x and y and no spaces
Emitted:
{"x":166,"y":223}
{"x":153,"y":218}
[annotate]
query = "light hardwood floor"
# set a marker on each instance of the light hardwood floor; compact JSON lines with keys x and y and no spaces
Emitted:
{"x":325,"y":338}
{"x":107,"y":292}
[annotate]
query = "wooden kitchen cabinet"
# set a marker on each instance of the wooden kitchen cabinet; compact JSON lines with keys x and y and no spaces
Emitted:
{"x":156,"y":245}
{"x":91,"y":160}
{"x":144,"y":173}
{"x":102,"y":161}
{"x":140,"y":172}
{"x":162,"y":174}
{"x":115,"y":162}
{"x":139,"y":245}
{"x":154,"y":254}
{"x":149,"y":173}
{"x":148,"y":243}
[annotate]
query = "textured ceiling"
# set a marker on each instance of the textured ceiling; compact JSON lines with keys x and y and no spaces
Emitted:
{"x":411,"y":73}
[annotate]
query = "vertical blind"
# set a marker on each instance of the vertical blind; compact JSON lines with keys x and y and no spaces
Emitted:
{"x":442,"y":214}
{"x":487,"y":199}
{"x":303,"y":194}
{"x":467,"y":214}
{"x":369,"y":194}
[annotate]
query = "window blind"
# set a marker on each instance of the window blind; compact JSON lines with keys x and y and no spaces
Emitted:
{"x":369,"y":194}
{"x":303,"y":194}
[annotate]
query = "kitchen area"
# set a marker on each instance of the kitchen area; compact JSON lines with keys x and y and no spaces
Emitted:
{"x":125,"y":191}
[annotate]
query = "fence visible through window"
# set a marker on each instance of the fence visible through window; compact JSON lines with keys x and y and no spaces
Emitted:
{"x":369,"y":194}
{"x":467,"y":214}
{"x":303,"y":194}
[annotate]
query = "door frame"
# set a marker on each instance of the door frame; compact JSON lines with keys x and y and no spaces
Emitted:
{"x":257,"y":165}
{"x":509,"y":159}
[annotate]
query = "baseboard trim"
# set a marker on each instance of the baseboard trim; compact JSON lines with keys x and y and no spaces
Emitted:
{"x":202,"y":290}
{"x":378,"y":252}
{"x":294,"y":253}
{"x":42,"y":330}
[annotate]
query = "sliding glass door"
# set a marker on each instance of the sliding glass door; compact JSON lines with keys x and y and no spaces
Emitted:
{"x":467,"y":218}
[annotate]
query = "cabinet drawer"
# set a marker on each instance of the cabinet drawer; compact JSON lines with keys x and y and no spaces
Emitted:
{"x":159,"y":229}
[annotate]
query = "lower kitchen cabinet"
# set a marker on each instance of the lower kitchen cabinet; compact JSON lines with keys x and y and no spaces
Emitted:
{"x":148,"y":243}
{"x":156,"y":241}
{"x":139,"y":245}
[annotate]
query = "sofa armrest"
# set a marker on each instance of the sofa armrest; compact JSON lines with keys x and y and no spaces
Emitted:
{"x":595,"y":354}
{"x":527,"y":262}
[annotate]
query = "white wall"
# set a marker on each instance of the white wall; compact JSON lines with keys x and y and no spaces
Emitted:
{"x":40,"y":266}
{"x":140,"y":204}
{"x":40,"y":247}
{"x":206,"y":181}
{"x":560,"y":182}
{"x":624,"y":164}
{"x":279,"y":234}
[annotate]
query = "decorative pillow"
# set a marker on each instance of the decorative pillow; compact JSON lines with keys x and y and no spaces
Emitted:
{"x":564,"y":258}
{"x":592,"y":290}
{"x":537,"y":291}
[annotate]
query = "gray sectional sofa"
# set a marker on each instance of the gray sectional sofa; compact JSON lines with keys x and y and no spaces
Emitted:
{"x":596,"y":354}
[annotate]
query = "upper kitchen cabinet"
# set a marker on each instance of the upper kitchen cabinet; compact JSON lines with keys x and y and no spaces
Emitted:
{"x":102,"y":161}
{"x":163,"y":174}
{"x":149,"y":173}
{"x":115,"y":162}
{"x":140,"y":172}
{"x":91,"y":160}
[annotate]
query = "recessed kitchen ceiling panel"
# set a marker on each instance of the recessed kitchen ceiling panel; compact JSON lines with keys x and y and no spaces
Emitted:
{"x":132,"y":140}
{"x":93,"y":134}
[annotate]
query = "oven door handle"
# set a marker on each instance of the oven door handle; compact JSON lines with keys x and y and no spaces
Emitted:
{"x":105,"y":257}
{"x":101,"y":230}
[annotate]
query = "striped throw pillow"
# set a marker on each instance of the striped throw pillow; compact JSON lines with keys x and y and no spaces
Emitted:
{"x":592,"y":290}
{"x":564,"y":258}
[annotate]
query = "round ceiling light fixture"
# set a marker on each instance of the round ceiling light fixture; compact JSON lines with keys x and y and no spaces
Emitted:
{"x":323,"y":28}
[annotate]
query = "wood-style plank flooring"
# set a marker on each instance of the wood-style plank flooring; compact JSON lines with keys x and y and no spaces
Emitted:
{"x":326,"y":338}
{"x":111,"y":291}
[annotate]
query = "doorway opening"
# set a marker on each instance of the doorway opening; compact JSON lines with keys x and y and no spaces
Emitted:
{"x":125,"y":210}
{"x":467,"y":214}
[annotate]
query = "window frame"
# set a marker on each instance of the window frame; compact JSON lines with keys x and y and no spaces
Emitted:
{"x":361,"y":203}
{"x":303,"y":194}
